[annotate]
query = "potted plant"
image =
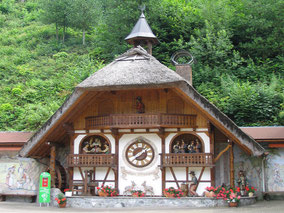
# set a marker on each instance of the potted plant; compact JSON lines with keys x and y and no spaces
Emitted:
{"x":250,"y":191}
{"x":137,"y":193}
{"x":210,"y":192}
{"x":61,"y":200}
{"x":228,"y":194}
{"x":172,"y":192}
{"x":106,"y":191}
{"x":233,"y":199}
{"x":68,"y":192}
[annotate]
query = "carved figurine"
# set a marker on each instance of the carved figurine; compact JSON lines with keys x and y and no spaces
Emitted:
{"x":182,"y":147}
{"x":242,"y":183}
{"x":147,"y":188}
{"x":176,"y":147}
{"x":190,"y":147}
{"x":140,"y":107}
{"x":128,"y":189}
{"x":88,"y":145}
{"x":197,"y":146}
{"x":193,"y":185}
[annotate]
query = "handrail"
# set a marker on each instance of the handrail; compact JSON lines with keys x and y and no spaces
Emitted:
{"x":141,"y":121}
{"x":187,"y":159}
{"x":98,"y":160}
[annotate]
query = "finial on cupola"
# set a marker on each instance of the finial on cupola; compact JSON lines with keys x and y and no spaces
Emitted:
{"x":142,"y":34}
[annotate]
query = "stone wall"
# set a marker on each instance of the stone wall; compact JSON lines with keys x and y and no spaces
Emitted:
{"x":252,"y":167}
{"x":149,"y":202}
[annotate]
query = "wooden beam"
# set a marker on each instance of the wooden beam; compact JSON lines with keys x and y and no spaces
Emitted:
{"x":106,"y":176}
{"x":200,"y":176}
{"x":222,"y":152}
{"x":175,"y":178}
{"x":213,"y":120}
{"x":116,"y":172}
{"x":212,"y":150}
{"x":232,"y":169}
{"x":80,"y":170}
{"x":276,"y":145}
{"x":52,"y":166}
{"x":70,"y":174}
{"x":72,"y":110}
{"x":163,"y":169}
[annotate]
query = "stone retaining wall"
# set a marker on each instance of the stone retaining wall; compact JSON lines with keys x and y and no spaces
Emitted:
{"x":150,"y":202}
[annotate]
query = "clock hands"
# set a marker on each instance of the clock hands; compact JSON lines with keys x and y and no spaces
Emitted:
{"x":139,"y":153}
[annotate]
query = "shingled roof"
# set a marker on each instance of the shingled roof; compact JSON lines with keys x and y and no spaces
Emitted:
{"x":137,"y":69}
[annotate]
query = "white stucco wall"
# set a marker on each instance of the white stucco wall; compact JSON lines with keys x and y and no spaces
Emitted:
{"x":151,"y":173}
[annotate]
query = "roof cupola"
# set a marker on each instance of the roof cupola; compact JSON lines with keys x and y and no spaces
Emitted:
{"x":142,"y":34}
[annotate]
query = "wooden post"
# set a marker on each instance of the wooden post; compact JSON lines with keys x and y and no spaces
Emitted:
{"x":232,"y":169}
{"x":163,"y":168}
{"x":117,"y":136}
{"x":211,"y":130}
{"x":52,"y":165}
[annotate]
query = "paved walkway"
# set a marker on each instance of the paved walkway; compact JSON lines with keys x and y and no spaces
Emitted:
{"x":259,"y":207}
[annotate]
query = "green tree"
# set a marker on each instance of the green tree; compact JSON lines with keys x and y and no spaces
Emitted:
{"x":85,"y":14}
{"x":56,"y":12}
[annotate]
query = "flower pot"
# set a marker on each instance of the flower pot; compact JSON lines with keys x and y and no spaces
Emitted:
{"x":168,"y":195}
{"x":250,"y":194}
{"x":233,"y":204}
{"x":62,"y":205}
{"x":209,"y":194}
{"x":102,"y":194}
{"x":68,"y":194}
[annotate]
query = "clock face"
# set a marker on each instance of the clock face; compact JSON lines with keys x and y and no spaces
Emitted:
{"x":139,"y":154}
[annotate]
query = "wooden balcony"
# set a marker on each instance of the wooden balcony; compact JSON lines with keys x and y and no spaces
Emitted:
{"x":141,"y":121}
{"x":187,"y":160}
{"x":91,"y":160}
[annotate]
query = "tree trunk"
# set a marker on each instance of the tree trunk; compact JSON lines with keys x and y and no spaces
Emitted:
{"x":84,"y":33}
{"x":56,"y":25}
{"x":63,"y":37}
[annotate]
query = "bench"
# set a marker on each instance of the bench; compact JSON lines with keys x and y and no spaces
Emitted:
{"x":32,"y":195}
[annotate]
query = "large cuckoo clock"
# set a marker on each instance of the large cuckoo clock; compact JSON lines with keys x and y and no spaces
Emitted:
{"x":139,"y":154}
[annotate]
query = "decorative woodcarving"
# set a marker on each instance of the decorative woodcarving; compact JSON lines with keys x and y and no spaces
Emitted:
{"x":147,"y":188}
{"x":128,"y":189}
{"x":126,"y":172}
{"x":140,"y":107}
{"x":95,"y":145}
{"x":186,"y":143}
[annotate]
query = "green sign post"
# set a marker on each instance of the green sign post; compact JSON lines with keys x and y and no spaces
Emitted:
{"x":44,"y":188}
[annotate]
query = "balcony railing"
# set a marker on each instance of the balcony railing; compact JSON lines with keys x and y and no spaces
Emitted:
{"x":91,"y":160}
{"x":189,"y":160}
{"x":141,"y":121}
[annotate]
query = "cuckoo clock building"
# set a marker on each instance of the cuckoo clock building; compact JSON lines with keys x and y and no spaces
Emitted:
{"x":137,"y":122}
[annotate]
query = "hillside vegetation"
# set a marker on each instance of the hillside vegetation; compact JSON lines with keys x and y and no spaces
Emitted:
{"x":48,"y":46}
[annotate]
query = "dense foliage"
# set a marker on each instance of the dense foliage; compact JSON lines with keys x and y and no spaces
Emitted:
{"x":237,"y":45}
